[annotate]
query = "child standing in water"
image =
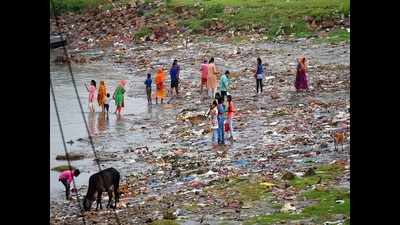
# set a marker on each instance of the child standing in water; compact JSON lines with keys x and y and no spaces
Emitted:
{"x":66,"y":178}
{"x":147,"y":82}
{"x":92,"y":90}
{"x":221,"y":119}
{"x":231,"y":110}
{"x":223,"y":84}
{"x":107,"y":103}
{"x":214,"y":123}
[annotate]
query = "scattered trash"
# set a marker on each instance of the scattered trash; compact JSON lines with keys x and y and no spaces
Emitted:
{"x":70,"y":156}
{"x":288,"y":207}
{"x":288,"y":176}
{"x":338,"y":222}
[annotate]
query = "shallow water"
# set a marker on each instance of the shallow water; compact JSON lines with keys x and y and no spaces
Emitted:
{"x":109,"y":134}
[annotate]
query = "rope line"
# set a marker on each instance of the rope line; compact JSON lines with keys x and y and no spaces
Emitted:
{"x":78,"y":98}
{"x":65,"y":149}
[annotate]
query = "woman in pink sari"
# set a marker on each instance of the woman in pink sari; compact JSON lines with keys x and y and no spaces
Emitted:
{"x":301,"y":77}
{"x":204,"y":74}
{"x":92,"y":90}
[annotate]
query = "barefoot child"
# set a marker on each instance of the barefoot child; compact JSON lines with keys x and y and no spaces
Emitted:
{"x":174,"y":74}
{"x":223,"y":84}
{"x":148,"y":88}
{"x":214,"y":123}
{"x":66,"y":178}
{"x":221,"y":119}
{"x":231,"y":110}
{"x":92,"y":90}
{"x":259,"y":75}
{"x":107,"y":103}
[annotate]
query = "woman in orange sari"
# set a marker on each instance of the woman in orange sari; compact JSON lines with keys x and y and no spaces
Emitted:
{"x":101,"y":96}
{"x":159,"y":80}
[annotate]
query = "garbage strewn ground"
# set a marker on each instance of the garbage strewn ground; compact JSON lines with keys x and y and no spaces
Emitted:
{"x":281,"y":166}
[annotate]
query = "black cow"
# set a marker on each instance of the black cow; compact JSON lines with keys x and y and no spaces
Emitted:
{"x":104,"y":181}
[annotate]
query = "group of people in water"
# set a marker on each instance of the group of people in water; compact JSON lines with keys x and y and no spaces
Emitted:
{"x":217,"y":91}
{"x":104,"y":98}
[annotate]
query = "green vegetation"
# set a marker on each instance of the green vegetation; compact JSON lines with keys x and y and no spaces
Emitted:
{"x":77,"y":5}
{"x":63,"y":6}
{"x":276,"y":16}
{"x":272,"y":17}
{"x":325,"y":208}
{"x":144,"y":31}
{"x":245,"y":190}
{"x":324,"y":173}
{"x":335,"y":37}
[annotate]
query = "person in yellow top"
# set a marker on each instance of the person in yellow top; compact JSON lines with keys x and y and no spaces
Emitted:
{"x":212,"y":78}
{"x":159,"y":80}
{"x":101,"y":96}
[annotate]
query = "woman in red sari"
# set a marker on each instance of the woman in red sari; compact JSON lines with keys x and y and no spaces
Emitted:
{"x":301,"y":77}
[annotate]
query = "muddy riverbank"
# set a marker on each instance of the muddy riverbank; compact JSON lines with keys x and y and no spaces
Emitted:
{"x":276,"y":132}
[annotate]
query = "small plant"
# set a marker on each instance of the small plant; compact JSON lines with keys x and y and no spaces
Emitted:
{"x":143,"y":32}
{"x":168,"y":2}
{"x":211,"y":11}
{"x":77,"y":5}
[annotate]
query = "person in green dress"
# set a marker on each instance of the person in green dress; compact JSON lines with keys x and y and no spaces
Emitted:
{"x":119,"y":96}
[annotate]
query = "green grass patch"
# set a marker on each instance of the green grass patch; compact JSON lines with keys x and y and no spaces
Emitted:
{"x":335,"y":37}
{"x":325,"y":208}
{"x":301,"y":183}
{"x":143,"y":32}
{"x":249,"y":191}
{"x":245,"y":190}
{"x":324,"y":173}
{"x":278,"y":17}
{"x":63,"y":6}
{"x":194,"y":25}
{"x":77,"y":5}
{"x":239,"y":39}
{"x":164,"y":222}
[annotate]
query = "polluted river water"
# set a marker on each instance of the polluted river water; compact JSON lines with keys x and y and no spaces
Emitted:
{"x":109,"y":134}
